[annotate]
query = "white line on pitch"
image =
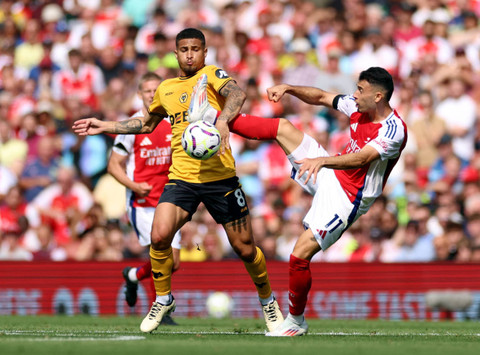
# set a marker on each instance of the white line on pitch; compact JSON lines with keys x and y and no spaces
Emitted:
{"x":83,"y":334}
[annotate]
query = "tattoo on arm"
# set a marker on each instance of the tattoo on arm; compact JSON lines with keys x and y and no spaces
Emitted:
{"x":133,"y":125}
{"x":235,"y":98}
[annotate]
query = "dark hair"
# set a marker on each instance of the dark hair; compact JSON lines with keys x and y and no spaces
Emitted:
{"x":379,"y":76}
{"x":190,"y":33}
{"x":159,"y":36}
{"x":74,"y":53}
{"x":147,"y":77}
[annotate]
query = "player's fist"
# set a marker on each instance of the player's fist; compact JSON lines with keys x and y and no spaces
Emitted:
{"x":276,"y":92}
{"x":143,"y":189}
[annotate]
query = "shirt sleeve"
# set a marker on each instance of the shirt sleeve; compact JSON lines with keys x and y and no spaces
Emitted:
{"x":218,"y":78}
{"x":156,"y":105}
{"x":345,"y":104}
{"x":389,"y":140}
{"x":123,"y":144}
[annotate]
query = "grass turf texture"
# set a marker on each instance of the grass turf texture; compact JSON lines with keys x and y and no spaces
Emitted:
{"x":117,"y":335}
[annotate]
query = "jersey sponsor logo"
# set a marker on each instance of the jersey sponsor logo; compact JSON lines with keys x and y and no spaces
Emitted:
{"x":382,"y":144}
{"x":353,"y":146}
{"x":145,"y":141}
{"x":354,"y":126}
{"x":169,"y":93}
{"x":221,"y":74}
{"x":178,"y":117}
{"x":155,"y":152}
{"x":183,"y":97}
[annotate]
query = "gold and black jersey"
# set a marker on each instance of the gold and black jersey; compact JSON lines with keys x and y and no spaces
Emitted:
{"x":174,"y":96}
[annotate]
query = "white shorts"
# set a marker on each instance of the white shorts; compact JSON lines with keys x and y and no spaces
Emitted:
{"x":141,"y":219}
{"x":331,"y":212}
{"x":309,"y":148}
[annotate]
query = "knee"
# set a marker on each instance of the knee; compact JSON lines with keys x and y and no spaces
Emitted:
{"x":246,"y":252}
{"x":160,"y":238}
{"x":285,"y":127}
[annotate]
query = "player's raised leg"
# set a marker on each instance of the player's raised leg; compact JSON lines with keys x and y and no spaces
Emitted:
{"x":252,"y":127}
{"x":300,"y":281}
{"x":168,"y":219}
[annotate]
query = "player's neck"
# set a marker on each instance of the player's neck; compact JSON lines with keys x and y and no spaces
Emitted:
{"x":381,"y":113}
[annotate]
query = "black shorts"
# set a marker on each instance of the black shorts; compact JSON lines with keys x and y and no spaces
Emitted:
{"x":224,"y":199}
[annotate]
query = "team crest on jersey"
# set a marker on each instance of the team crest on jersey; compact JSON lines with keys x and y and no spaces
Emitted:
{"x":221,"y":74}
{"x":183,"y":97}
{"x":353,"y":126}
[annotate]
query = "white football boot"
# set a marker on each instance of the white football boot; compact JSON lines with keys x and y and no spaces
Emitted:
{"x":154,"y":317}
{"x":289,"y":328}
{"x":273,"y":315}
{"x":200,"y":108}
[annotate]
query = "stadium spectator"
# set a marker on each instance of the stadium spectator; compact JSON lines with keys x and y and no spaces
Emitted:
{"x":248,"y":161}
{"x":11,"y":248}
{"x":41,"y":171}
{"x":414,"y":247}
{"x":62,"y":205}
{"x":12,"y":212}
{"x":162,"y":57}
{"x":457,"y":105}
{"x":81,"y":80}
{"x":362,"y":247}
{"x":13,"y":152}
{"x":332,"y":77}
{"x":30,"y":52}
{"x":291,"y":229}
{"x":8,"y":181}
{"x":427,"y":129}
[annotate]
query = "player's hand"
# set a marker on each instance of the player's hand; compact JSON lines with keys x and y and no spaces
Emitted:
{"x":143,"y":189}
{"x":275,"y":93}
{"x":311,"y":167}
{"x":222,"y":127}
{"x":88,"y":126}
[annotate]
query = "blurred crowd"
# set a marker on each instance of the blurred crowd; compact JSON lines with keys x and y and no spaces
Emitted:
{"x":65,"y":60}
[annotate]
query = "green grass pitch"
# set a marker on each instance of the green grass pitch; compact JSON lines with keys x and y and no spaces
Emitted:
{"x":86,"y":335}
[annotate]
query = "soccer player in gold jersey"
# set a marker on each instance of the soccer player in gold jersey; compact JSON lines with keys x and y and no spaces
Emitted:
{"x":192,"y":181}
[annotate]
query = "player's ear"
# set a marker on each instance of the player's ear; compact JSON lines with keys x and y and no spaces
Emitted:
{"x":205,"y":52}
{"x":379,"y":96}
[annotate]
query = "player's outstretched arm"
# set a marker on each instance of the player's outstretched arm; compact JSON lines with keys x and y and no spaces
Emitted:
{"x":138,"y":125}
{"x":235,"y":97}
{"x":310,"y":95}
{"x":311,"y":167}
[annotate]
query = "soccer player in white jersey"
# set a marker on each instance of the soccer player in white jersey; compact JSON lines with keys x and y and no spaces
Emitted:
{"x":344,"y":186}
{"x":141,"y":163}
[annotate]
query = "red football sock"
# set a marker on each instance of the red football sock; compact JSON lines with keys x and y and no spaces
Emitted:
{"x":144,"y":271}
{"x":254,"y":127}
{"x":300,"y":281}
